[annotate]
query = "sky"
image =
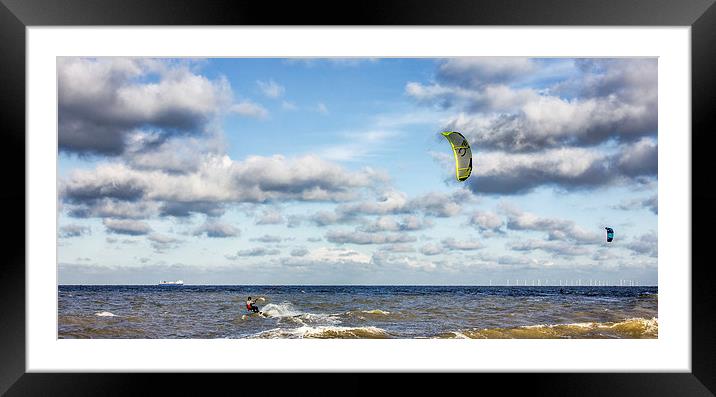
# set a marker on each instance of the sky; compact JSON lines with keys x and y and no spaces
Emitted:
{"x":333,"y":171}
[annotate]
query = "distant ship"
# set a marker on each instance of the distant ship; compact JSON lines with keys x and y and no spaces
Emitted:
{"x":171,"y":283}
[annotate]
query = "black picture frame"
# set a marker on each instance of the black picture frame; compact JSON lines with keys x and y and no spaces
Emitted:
{"x":700,"y":15}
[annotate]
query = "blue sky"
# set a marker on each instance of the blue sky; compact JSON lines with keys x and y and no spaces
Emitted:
{"x":333,"y":171}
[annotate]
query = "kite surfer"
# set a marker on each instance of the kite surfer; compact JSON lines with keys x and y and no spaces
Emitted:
{"x":251,"y":306}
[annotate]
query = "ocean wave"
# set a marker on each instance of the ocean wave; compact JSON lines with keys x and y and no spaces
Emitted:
{"x":649,"y":295}
{"x":284,"y":309}
{"x":375,"y":311}
{"x":365,"y":314}
{"x":632,"y":328}
{"x":105,"y":314}
{"x":325,"y":332}
{"x":286,"y":312}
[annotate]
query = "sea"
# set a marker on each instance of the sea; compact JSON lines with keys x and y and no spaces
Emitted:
{"x":407,"y":312}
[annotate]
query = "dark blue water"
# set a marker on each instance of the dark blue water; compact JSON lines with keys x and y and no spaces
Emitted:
{"x":357,"y":312}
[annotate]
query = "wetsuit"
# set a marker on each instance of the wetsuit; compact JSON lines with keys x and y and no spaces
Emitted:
{"x":250,"y":307}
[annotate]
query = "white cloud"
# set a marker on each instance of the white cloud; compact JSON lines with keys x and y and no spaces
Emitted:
{"x":566,"y":168}
{"x":354,"y":237}
{"x":485,"y":220}
{"x":651,"y":203}
{"x":129,"y":227}
{"x":161,"y":242}
{"x":462,"y":245}
{"x":478,"y":71}
{"x":556,"y":229}
{"x":267,"y":238}
{"x":431,"y":249}
{"x":299,"y":252}
{"x":436,"y":204}
{"x":271,"y":89}
{"x":555,"y":133}
{"x":216,"y":229}
{"x":394,"y":224}
{"x":74,"y":231}
{"x":220,"y":180}
{"x":560,"y":248}
{"x":336,"y":255}
{"x":258,"y":251}
{"x":322,"y":108}
{"x":287,"y":105}
{"x":101,"y":101}
{"x":646,"y":244}
{"x":250,"y":109}
{"x":270,"y":216}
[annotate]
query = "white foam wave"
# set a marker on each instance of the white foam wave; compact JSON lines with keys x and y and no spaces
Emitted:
{"x":105,"y":314}
{"x":375,"y":311}
{"x":324,"y":332}
{"x":284,"y":309}
{"x":650,"y":324}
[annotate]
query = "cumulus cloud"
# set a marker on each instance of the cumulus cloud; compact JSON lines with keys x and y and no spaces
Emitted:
{"x":160,"y":242}
{"x":326,"y":218}
{"x":339,"y":255}
{"x":560,"y":248}
{"x":128,"y":227}
{"x":74,"y":231}
{"x":103,"y":100}
{"x":299,"y":252}
{"x":479,"y":71}
{"x":356,"y":237}
{"x":250,"y":109}
{"x":398,"y":248}
{"x":185,"y":154}
{"x":215,"y":229}
{"x":646,"y":244}
{"x":431,"y":249}
{"x":567,"y":168}
{"x":392,"y":261}
{"x":558,"y":132}
{"x":391,"y":202}
{"x":640,"y":158}
{"x":486,"y":221}
{"x":112,"y":240}
{"x":465,"y":245}
{"x":258,"y":251}
{"x":112,"y":208}
{"x":183,"y":209}
{"x":523,"y":262}
{"x":553,"y":122}
{"x":651,"y":203}
{"x":267,"y":238}
{"x":271,"y":89}
{"x":435,"y":204}
{"x":604,"y":255}
{"x":394,"y":224}
{"x":270,"y":216}
{"x":608,"y":99}
{"x":556,"y":229}
{"x":218,"y":181}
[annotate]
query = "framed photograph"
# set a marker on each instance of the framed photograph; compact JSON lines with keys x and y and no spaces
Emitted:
{"x":436,"y":190}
